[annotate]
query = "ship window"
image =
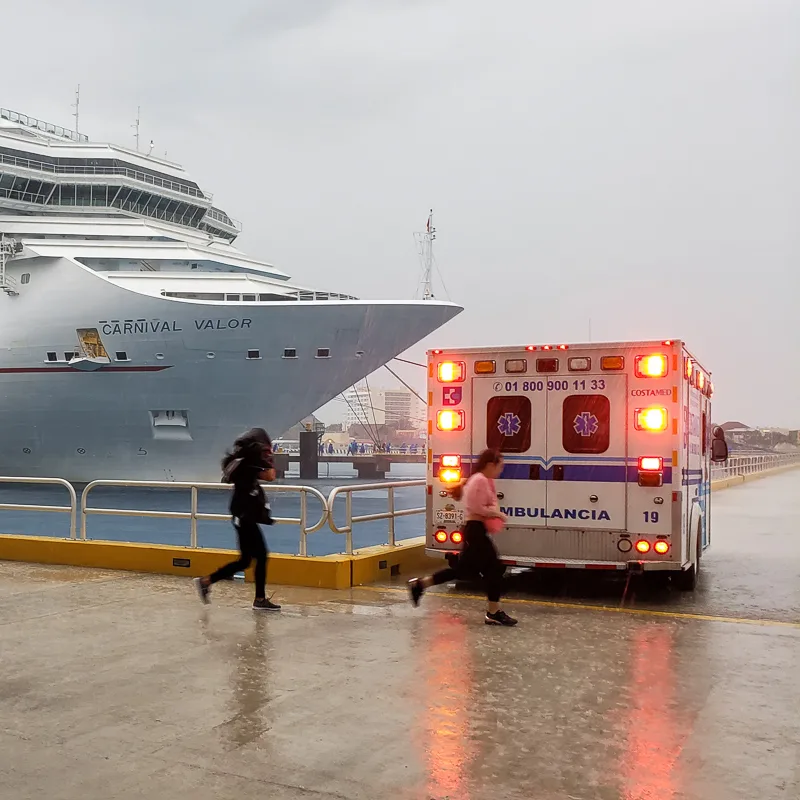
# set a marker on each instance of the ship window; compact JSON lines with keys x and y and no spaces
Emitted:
{"x":290,"y":352}
{"x":25,"y":277}
{"x":233,"y":298}
{"x":323,"y":352}
{"x":52,"y":356}
{"x":121,"y":355}
{"x":69,"y":356}
{"x":249,"y":298}
{"x":252,"y":354}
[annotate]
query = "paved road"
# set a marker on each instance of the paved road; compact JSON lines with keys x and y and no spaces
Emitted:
{"x":119,"y":686}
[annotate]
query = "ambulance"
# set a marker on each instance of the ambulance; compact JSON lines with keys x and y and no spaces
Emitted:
{"x":607,"y":453}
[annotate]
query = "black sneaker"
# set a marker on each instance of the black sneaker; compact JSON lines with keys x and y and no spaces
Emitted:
{"x":203,"y":590}
{"x":263,"y":604}
{"x":499,"y":618}
{"x":416,"y":590}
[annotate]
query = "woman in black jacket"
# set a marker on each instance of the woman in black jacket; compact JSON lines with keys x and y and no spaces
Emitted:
{"x":248,"y":465}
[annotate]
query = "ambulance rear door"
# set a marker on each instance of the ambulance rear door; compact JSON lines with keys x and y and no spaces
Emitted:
{"x":510,"y":415}
{"x":587,"y":465}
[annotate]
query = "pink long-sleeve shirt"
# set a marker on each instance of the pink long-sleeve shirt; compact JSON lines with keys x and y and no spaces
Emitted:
{"x":479,"y":498}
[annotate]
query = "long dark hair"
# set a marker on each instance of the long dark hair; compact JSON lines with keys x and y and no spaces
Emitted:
{"x":486,"y":458}
{"x":249,"y":445}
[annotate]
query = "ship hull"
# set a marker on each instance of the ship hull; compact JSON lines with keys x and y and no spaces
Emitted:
{"x":186,"y":387}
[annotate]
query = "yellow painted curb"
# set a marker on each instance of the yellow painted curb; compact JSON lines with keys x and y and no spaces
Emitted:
{"x":378,"y":563}
{"x":325,"y":572}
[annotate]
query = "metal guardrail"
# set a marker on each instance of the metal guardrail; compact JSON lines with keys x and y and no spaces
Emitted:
{"x":391,"y":514}
{"x":751,"y":464}
{"x":194,"y":515}
{"x":736,"y":465}
{"x":71,"y":509}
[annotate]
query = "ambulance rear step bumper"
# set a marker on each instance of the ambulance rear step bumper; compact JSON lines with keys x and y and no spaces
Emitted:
{"x":574,"y":563}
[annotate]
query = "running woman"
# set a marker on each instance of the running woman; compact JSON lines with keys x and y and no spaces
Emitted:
{"x":479,"y":555}
{"x":248,"y":464}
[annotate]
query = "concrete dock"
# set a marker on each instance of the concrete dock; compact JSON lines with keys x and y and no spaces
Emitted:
{"x":118,"y":686}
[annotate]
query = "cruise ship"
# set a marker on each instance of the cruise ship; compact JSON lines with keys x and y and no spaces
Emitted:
{"x":136,"y":340}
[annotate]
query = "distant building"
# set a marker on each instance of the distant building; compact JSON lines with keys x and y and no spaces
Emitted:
{"x":364,"y":406}
{"x":404,"y":409}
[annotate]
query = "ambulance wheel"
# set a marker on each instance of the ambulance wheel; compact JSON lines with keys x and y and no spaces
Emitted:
{"x":687,"y":580}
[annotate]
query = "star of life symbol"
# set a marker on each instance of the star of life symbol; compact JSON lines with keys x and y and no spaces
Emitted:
{"x":586,"y":424}
{"x":509,"y":424}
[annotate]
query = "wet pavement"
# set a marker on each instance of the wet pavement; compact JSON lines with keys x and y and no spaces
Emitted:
{"x":114,"y":685}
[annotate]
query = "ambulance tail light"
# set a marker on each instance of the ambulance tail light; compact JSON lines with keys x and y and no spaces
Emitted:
{"x":485,"y":367}
{"x":661,"y":547}
{"x":651,"y":464}
{"x":654,"y":418}
{"x":451,"y":461}
{"x":609,"y":363}
{"x":450,"y":420}
{"x":440,"y":536}
{"x":651,"y":471}
{"x":652,"y":366}
{"x":642,"y":546}
{"x":456,"y":537}
{"x":452,"y":371}
{"x":450,"y":475}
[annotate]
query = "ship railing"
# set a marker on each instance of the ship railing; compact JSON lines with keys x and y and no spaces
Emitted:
{"x":194,"y":515}
{"x":390,"y":515}
{"x":90,"y":169}
{"x":71,"y":509}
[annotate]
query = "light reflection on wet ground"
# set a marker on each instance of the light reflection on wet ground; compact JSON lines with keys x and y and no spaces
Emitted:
{"x":124,"y":686}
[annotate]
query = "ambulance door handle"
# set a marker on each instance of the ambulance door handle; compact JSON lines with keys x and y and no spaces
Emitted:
{"x":558,"y":473}
{"x":500,"y":495}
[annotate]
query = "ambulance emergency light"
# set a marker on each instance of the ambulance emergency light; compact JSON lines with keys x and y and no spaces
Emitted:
{"x":450,"y":420}
{"x":452,"y":371}
{"x":653,"y":366}
{"x":651,"y":419}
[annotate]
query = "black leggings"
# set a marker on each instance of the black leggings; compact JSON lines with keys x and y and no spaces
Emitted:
{"x":479,"y":557}
{"x":251,"y":546}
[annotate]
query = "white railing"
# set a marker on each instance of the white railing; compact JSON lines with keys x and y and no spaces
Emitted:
{"x":71,"y":509}
{"x":391,"y":513}
{"x":193,"y":515}
{"x":753,"y":463}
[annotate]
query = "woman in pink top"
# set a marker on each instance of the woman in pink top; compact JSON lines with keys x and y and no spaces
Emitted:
{"x":479,"y":555}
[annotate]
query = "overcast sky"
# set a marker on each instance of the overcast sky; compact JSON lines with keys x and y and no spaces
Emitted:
{"x":632,"y":162}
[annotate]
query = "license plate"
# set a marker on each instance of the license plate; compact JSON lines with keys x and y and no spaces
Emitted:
{"x":456,"y":517}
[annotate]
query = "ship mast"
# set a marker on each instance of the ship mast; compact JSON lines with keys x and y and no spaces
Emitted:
{"x":77,"y":105}
{"x":135,"y":126}
{"x":425,"y":242}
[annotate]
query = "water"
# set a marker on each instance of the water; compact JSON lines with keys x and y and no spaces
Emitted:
{"x":218,"y":534}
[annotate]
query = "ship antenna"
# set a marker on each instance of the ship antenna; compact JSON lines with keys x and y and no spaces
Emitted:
{"x":425,"y":242}
{"x":135,"y":126}
{"x":77,"y":106}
